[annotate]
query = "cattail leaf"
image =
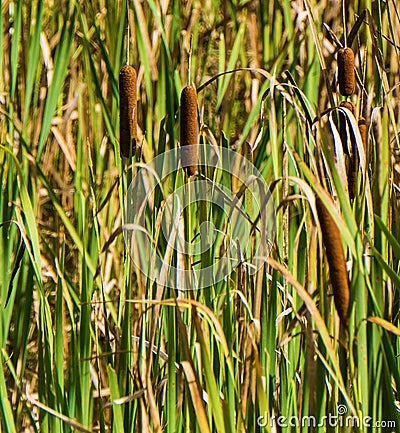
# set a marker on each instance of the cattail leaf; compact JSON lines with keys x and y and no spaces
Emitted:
{"x":33,"y":56}
{"x":15,"y":45}
{"x":6,"y":410}
{"x":195,"y":394}
{"x":17,"y":265}
{"x":307,"y":109}
{"x":336,"y":261}
{"x":391,"y":273}
{"x":237,"y":47}
{"x":115,"y":395}
{"x":395,"y":244}
{"x":67,"y":420}
{"x":339,"y":160}
{"x":62,"y":59}
{"x":354,"y":30}
{"x":144,"y":41}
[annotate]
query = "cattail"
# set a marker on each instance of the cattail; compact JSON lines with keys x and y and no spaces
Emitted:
{"x":336,"y":261}
{"x":363,"y":128}
{"x":189,"y":130}
{"x":128,"y":110}
{"x":348,"y":140}
{"x":346,"y":75}
{"x":343,"y":122}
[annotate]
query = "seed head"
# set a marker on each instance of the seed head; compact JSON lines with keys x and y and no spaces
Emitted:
{"x":346,"y":75}
{"x":336,"y":261}
{"x":128,"y":110}
{"x":189,"y":130}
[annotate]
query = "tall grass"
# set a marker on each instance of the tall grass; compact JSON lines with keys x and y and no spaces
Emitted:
{"x":88,"y":342}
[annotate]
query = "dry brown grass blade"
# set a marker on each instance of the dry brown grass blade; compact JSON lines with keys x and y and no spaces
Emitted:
{"x":384,"y":324}
{"x":318,"y":47}
{"x":69,"y":151}
{"x":195,"y":393}
{"x":74,"y":424}
{"x":126,"y":399}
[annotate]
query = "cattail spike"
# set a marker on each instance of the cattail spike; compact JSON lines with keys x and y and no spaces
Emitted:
{"x":346,"y":75}
{"x":128,"y":110}
{"x":189,"y":130}
{"x":350,"y":106}
{"x":336,"y":261}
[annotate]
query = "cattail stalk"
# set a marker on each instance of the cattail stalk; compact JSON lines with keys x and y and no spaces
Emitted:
{"x":128,"y":111}
{"x":336,"y":261}
{"x":189,"y":130}
{"x":346,"y":75}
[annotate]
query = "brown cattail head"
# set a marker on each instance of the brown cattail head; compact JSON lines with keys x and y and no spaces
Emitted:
{"x":189,"y":130}
{"x":336,"y":261}
{"x":128,"y":111}
{"x":343,"y":125}
{"x":346,"y":75}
